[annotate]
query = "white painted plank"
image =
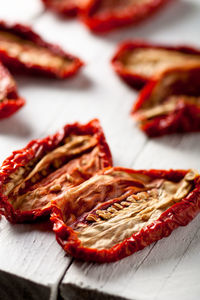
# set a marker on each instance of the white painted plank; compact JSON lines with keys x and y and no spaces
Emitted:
{"x":185,"y":274}
{"x":35,"y":254}
{"x":175,"y":151}
{"x":96,"y":92}
{"x":20,"y":10}
{"x":32,"y":262}
{"x":160,"y":270}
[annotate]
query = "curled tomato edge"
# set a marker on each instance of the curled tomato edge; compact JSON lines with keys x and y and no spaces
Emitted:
{"x":179,"y":214}
{"x":10,"y":106}
{"x":26,"y":32}
{"x":184,"y":118}
{"x":70,"y":10}
{"x":133,"y":79}
{"x":36,"y":148}
{"x":110,"y":21}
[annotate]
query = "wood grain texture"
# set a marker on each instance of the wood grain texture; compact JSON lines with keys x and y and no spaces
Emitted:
{"x":38,"y":263}
{"x":32,"y":263}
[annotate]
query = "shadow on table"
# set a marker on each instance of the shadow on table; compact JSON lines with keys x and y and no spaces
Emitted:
{"x":41,"y":226}
{"x":18,"y":288}
{"x":15,"y":126}
{"x":78,"y":82}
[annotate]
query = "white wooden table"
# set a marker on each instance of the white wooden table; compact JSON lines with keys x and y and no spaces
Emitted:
{"x":32,"y":264}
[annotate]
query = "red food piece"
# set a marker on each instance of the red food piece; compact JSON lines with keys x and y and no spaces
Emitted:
{"x":10,"y":102}
{"x":105,"y":15}
{"x":69,"y":8}
{"x":136,"y":62}
{"x":22,"y":50}
{"x":170,"y":102}
{"x":34,"y":176}
{"x":120,"y":211}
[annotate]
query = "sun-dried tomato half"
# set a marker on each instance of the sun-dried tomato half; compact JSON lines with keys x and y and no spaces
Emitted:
{"x":34,"y":176}
{"x":68,"y":8}
{"x":22,"y":50}
{"x":137,"y":61}
{"x":105,"y":15}
{"x":170,"y":102}
{"x":120,"y":211}
{"x":10,"y":101}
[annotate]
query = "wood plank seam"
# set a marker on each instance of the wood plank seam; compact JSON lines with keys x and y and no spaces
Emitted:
{"x":55,"y":290}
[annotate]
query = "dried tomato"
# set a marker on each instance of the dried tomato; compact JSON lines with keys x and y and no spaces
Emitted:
{"x":21,"y":49}
{"x":137,"y":61}
{"x":68,"y":8}
{"x":105,"y":15}
{"x":10,"y":101}
{"x":34,"y":176}
{"x":120,"y":211}
{"x":170,"y":102}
